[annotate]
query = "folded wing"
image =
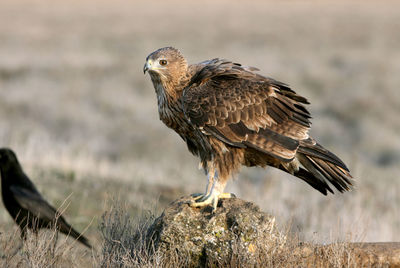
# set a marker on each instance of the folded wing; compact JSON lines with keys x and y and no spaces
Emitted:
{"x":244,"y":109}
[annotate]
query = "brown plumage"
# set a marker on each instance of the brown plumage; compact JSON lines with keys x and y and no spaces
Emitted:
{"x":25,"y":204}
{"x":231,"y":116}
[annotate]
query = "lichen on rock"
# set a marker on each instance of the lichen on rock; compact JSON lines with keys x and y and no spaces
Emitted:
{"x":236,"y":228}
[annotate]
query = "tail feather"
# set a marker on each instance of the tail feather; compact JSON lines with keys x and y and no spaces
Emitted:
{"x":329,"y":173}
{"x":315,"y":182}
{"x":311,"y":148}
{"x":78,"y":236}
{"x":66,"y":229}
{"x":322,"y":166}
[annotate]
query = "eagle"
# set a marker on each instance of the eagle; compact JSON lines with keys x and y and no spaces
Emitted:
{"x":229,"y":116}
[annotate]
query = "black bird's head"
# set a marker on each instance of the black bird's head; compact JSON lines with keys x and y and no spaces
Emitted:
{"x":8,"y":159}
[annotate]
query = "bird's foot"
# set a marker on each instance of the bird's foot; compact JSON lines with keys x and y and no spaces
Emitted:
{"x":197,"y":196}
{"x":202,"y":200}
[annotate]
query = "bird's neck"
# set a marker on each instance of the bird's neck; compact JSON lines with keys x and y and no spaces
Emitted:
{"x":168,"y":99}
{"x":10,"y":171}
{"x":168,"y":91}
{"x":4,"y":174}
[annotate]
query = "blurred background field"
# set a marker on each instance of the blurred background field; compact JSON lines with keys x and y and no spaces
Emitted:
{"x":82,"y":117}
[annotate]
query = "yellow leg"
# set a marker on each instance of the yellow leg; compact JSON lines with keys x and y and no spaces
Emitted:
{"x":210,"y":185}
{"x":214,"y":191}
{"x":211,"y":199}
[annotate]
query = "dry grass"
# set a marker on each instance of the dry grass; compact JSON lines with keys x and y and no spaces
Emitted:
{"x":78,"y":111}
{"x":125,"y":243}
{"x":125,"y":246}
{"x":48,"y":249}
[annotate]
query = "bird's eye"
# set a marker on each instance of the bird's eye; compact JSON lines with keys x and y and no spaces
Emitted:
{"x":163,"y":62}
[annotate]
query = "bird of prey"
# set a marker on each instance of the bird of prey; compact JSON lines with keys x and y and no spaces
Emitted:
{"x":25,"y":204}
{"x":229,"y":116}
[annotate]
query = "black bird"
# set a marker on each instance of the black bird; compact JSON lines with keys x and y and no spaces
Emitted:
{"x":24,"y":202}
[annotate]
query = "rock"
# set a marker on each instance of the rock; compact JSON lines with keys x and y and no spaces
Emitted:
{"x":377,"y":254}
{"x":238,"y":234}
{"x":236,"y":228}
{"x":383,"y":254}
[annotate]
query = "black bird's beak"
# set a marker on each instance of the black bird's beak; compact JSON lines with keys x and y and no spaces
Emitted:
{"x":145,"y":68}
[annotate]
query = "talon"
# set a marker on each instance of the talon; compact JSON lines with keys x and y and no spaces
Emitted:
{"x":215,"y":204}
{"x":197,"y":196}
{"x":204,"y":201}
{"x":211,"y":199}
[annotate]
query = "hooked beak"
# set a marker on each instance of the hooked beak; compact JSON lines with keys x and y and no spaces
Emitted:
{"x":145,"y":68}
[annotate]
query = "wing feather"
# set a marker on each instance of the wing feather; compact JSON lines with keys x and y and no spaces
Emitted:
{"x":33,"y":202}
{"x":245,"y":109}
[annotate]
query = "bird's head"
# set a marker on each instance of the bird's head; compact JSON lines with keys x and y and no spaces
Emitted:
{"x":8,"y":159}
{"x":166,"y":65}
